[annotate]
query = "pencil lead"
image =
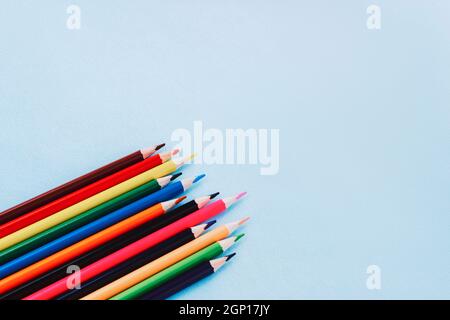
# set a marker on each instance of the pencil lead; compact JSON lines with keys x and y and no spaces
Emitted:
{"x":175,"y":151}
{"x":199,"y":177}
{"x":244,"y":221}
{"x":230,"y":256}
{"x":239,"y":236}
{"x":240,"y":195}
{"x":209,"y":224}
{"x":180,"y":199}
{"x":159,"y":146}
{"x":190,"y":157}
{"x":176,"y":175}
{"x":213,"y":195}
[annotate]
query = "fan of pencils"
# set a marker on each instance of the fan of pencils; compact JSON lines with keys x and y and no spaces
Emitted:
{"x":118,"y":232}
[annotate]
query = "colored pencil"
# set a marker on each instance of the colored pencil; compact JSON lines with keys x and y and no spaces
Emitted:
{"x":176,"y":269}
{"x":107,"y":228}
{"x":187,"y":279}
{"x":137,"y":261}
{"x":165,"y":261}
{"x":84,"y":218}
{"x":142,"y":231}
{"x":112,"y":246}
{"x":171,"y":191}
{"x":78,"y":183}
{"x":63,"y":215}
{"x":84,"y":193}
{"x":133,"y":249}
{"x":42,"y":266}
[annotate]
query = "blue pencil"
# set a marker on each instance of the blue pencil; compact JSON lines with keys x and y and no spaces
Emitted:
{"x":171,"y":191}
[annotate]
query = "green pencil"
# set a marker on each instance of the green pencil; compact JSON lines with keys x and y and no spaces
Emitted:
{"x":84,"y":218}
{"x":178,"y":268}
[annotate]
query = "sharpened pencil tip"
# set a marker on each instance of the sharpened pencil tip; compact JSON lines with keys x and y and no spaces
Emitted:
{"x":181,"y":161}
{"x":159,"y":146}
{"x":213,"y":195}
{"x":176,"y":175}
{"x":209,"y":224}
{"x":244,"y":221}
{"x":180,"y":199}
{"x":175,"y":151}
{"x":239,"y":236}
{"x":240,"y":195}
{"x":231,"y":255}
{"x":189,"y":157}
{"x":198,"y":178}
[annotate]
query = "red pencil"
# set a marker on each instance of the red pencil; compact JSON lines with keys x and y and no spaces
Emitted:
{"x":84,"y":193}
{"x":131,"y":250}
{"x":76,"y":184}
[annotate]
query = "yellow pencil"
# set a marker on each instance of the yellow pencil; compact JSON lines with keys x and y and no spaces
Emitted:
{"x":163,"y":262}
{"x":89,"y":203}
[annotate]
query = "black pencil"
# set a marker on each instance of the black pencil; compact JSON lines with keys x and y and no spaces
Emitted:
{"x":186,"y":279}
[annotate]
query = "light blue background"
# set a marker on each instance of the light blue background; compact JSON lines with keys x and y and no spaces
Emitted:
{"x":363,"y":117}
